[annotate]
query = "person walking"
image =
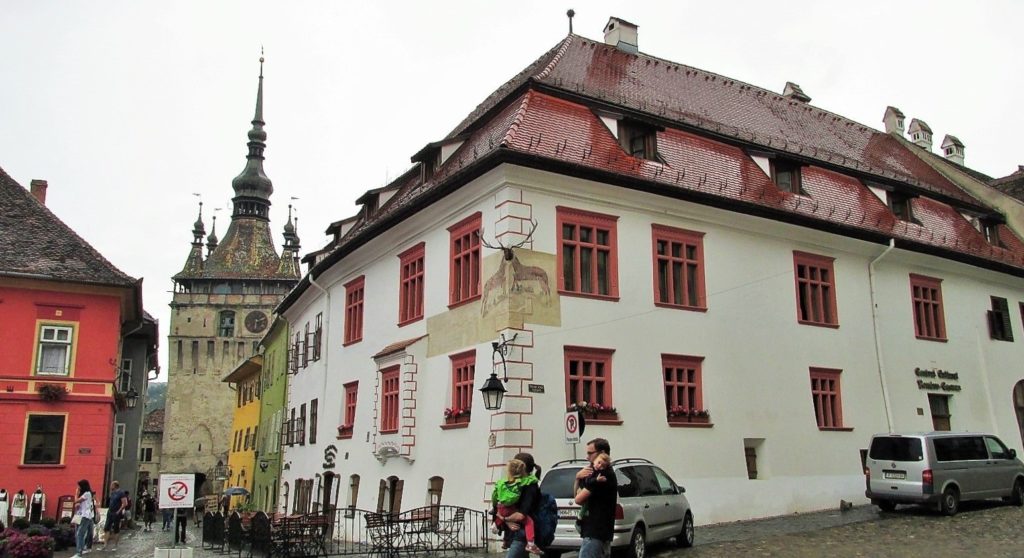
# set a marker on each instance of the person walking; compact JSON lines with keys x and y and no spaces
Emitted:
{"x":528,"y":505}
{"x":85,"y":511}
{"x":167,"y":514}
{"x":597,"y":527}
{"x":117,"y":502}
{"x":149,"y":510}
{"x":180,"y":524}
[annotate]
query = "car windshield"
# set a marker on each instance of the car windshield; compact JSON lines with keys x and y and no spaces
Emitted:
{"x":558,"y":483}
{"x":896,"y":449}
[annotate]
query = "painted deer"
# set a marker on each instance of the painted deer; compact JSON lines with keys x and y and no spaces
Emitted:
{"x":497,"y":286}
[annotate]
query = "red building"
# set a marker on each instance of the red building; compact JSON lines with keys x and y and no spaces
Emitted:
{"x":65,"y":310}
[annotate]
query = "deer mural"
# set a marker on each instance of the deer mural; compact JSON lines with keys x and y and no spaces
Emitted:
{"x":512,"y":276}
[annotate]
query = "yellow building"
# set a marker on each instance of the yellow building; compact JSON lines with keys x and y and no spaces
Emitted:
{"x":244,"y":427}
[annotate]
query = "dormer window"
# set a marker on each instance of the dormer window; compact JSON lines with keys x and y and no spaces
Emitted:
{"x":899,"y":123}
{"x":900,"y":206}
{"x":991,"y":232}
{"x":639,"y":140}
{"x":786,"y":176}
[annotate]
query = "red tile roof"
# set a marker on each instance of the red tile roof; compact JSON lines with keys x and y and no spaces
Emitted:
{"x":544,"y":117}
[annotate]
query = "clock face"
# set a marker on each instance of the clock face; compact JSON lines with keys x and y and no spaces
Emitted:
{"x":256,"y":321}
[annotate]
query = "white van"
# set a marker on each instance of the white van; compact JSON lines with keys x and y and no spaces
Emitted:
{"x":941,"y":468}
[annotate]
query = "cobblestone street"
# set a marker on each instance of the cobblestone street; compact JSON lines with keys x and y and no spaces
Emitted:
{"x":989,"y":529}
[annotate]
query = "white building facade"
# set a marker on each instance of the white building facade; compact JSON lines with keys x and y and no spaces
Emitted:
{"x":744,"y":315}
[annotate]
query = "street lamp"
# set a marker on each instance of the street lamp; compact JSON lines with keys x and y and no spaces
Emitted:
{"x":264,"y":464}
{"x":493,"y":389}
{"x":131,"y":398}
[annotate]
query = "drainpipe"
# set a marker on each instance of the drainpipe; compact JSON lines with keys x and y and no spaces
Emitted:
{"x":878,"y":336}
{"x":325,"y":334}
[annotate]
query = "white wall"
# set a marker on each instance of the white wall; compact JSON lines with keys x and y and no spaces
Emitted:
{"x":755,"y":369}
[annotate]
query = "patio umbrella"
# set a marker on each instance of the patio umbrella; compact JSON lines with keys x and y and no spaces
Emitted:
{"x":236,"y":491}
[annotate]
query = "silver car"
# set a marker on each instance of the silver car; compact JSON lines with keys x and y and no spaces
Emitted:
{"x":651,"y":507}
{"x":941,"y":469}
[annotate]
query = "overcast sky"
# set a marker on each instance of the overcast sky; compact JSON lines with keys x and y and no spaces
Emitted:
{"x":128,"y":108}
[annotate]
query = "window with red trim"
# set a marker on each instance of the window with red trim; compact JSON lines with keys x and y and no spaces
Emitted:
{"x":463,"y":371}
{"x":588,"y":253}
{"x":389,"y":381}
{"x":815,"y":289}
{"x":926,"y":294}
{"x":354,"y":310}
{"x":464,"y":275}
{"x":825,"y":392}
{"x":682,"y":380}
{"x":678,"y":267}
{"x":410,"y":304}
{"x":351,"y":393}
{"x":588,"y":376}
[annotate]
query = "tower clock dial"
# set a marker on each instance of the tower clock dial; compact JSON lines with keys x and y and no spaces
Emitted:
{"x":256,"y":321}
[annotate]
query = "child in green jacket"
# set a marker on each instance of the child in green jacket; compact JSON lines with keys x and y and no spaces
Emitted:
{"x":506,"y":495}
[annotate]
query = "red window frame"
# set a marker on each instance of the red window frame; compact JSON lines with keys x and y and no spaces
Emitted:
{"x":815,"y":279}
{"x":678,"y":257}
{"x":826,"y":395}
{"x":464,"y":270}
{"x":929,"y":319}
{"x":351,"y":396}
{"x":389,"y":390}
{"x":410,"y":305}
{"x":463,"y":376}
{"x":354,"y":295}
{"x":580,"y":233}
{"x":682,"y":378}
{"x":588,"y":375}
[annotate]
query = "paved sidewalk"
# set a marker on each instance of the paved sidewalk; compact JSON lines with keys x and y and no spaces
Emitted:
{"x":136,"y":543}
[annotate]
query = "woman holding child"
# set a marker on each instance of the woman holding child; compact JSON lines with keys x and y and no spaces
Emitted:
{"x":526,"y":506}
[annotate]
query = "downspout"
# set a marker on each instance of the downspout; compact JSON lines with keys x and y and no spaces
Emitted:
{"x":878,"y":336}
{"x":325,"y":334}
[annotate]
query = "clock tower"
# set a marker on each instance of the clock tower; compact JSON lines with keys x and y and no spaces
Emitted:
{"x":221,"y":309}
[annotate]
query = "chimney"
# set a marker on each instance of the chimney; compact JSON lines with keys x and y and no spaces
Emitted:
{"x":953,"y":149}
{"x":38,"y":189}
{"x":793,"y":91}
{"x":621,"y":34}
{"x":920,"y":134}
{"x":893,"y":120}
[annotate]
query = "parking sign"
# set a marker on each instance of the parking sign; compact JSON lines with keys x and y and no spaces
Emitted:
{"x":572,"y":427}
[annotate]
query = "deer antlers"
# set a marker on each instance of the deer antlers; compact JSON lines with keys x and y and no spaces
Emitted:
{"x":507,"y":250}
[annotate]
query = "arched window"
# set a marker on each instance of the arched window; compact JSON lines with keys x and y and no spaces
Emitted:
{"x":353,"y":494}
{"x":227,"y":324}
{"x":434,"y":487}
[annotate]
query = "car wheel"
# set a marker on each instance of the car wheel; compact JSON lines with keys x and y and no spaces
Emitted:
{"x":886,"y":505}
{"x":1017,"y":498}
{"x":950,"y":503}
{"x":685,"y":536}
{"x":638,"y":543}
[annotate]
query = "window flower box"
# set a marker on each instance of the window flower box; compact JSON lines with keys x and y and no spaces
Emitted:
{"x":345,"y":431}
{"x":595,"y":413}
{"x":52,"y":392}
{"x":456,"y":416}
{"x":683,"y":416}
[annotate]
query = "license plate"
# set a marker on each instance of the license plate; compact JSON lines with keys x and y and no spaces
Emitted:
{"x":567,"y":513}
{"x":896,"y":475}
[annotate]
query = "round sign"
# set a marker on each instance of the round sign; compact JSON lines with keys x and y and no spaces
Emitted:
{"x":177,"y":491}
{"x":571,"y":424}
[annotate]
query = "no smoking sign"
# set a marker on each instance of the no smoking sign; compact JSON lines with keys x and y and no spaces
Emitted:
{"x":177,"y":491}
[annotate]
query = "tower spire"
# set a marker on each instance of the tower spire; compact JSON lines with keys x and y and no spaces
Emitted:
{"x":252,"y":187}
{"x":211,"y":241}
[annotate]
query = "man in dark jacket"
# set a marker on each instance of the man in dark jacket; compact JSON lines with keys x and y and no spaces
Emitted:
{"x":598,"y":526}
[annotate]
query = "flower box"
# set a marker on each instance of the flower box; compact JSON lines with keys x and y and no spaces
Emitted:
{"x":457,"y":419}
{"x":345,"y":431}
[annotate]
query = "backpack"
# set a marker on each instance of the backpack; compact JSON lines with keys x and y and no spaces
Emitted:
{"x":545,"y":521}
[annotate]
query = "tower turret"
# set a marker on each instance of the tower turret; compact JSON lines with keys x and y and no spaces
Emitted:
{"x":252,"y":187}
